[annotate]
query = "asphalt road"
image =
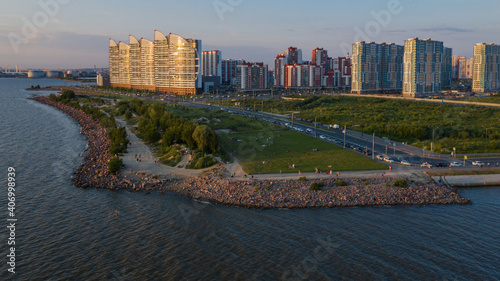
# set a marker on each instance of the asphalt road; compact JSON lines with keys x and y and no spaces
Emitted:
{"x":383,"y":146}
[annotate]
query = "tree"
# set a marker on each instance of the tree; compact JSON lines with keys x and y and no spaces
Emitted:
{"x":115,"y":165}
{"x":68,"y":95}
{"x":187,"y":134}
{"x":151,"y":133}
{"x":168,"y":138}
{"x":202,"y":137}
{"x":118,"y":139}
{"x":128,"y":114}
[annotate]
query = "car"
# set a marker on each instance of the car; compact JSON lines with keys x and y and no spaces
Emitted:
{"x":380,"y":157}
{"x":322,"y":137}
{"x":478,"y":163}
{"x":389,"y":160}
{"x":405,"y":163}
{"x":455,"y":164}
{"x":442,"y":164}
{"x":426,"y":165}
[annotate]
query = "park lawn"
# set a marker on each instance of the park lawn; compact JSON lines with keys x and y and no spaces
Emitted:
{"x":291,"y":148}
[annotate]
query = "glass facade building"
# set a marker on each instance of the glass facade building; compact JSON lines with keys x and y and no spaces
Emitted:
{"x":170,"y":64}
{"x":424,"y":64}
{"x":486,"y":68}
{"x":377,"y":67}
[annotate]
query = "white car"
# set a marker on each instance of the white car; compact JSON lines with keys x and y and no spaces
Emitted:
{"x":426,"y":165}
{"x":405,"y":163}
{"x":322,"y":137}
{"x":455,"y":164}
{"x":389,"y":160}
{"x":477,"y":163}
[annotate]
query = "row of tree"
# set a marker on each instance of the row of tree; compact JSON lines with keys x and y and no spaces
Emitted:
{"x":156,"y":124}
{"x":473,"y":128}
{"x":117,"y":134}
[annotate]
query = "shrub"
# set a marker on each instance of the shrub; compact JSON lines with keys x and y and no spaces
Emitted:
{"x":402,"y":183}
{"x":303,"y":179}
{"x":115,"y":165}
{"x":200,"y":161}
{"x":342,"y":183}
{"x":128,"y":114}
{"x":315,"y":186}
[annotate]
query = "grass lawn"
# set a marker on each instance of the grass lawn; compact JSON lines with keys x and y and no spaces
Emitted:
{"x":253,"y":145}
{"x":257,"y":153}
{"x":254,"y":142}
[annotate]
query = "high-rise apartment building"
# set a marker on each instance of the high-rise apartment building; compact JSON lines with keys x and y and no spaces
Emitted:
{"x":424,"y":64}
{"x":279,"y":70}
{"x":147,"y":65}
{"x":469,"y":69}
{"x":212,"y":63}
{"x":446,"y":72}
{"x":170,"y":64}
{"x":320,"y":58}
{"x":486,"y":70}
{"x":293,"y":55}
{"x":459,"y":68}
{"x":124,"y":65}
{"x":303,"y":76}
{"x":252,"y":76}
{"x":229,"y":70}
{"x":377,"y":67}
{"x":114,"y":63}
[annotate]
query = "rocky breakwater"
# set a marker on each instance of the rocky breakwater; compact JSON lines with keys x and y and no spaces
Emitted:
{"x":93,"y":171}
{"x":217,"y":187}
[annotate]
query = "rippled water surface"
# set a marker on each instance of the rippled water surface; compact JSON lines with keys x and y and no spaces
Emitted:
{"x":68,"y":233}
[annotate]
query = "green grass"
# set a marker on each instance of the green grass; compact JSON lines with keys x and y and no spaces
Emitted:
{"x":491,"y":99}
{"x":291,"y":148}
{"x":470,"y":129}
{"x":255,"y":133}
{"x":171,"y":157}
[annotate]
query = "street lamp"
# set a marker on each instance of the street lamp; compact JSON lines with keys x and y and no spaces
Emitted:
{"x":432,"y":143}
{"x":345,"y":133}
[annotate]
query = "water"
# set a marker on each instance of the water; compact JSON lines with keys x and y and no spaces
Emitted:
{"x":68,"y":233}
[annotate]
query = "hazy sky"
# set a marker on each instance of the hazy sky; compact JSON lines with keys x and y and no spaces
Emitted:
{"x":74,"y":34}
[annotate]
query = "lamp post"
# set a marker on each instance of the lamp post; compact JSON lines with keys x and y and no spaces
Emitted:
{"x":345,"y":134}
{"x":373,"y":147}
{"x":315,"y":126}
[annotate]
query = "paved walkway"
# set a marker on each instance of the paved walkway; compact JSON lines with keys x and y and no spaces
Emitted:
{"x":147,"y":165}
{"x":471,"y":181}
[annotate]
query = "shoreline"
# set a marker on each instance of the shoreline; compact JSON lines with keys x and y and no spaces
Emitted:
{"x":216,"y":186}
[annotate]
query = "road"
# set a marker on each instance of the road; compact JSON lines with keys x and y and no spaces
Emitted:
{"x":356,"y":141}
{"x":353,"y":139}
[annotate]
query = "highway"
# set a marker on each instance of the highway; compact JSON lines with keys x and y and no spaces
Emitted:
{"x":356,"y":141}
{"x":353,"y":140}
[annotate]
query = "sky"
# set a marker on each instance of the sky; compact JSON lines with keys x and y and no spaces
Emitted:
{"x":52,"y":34}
